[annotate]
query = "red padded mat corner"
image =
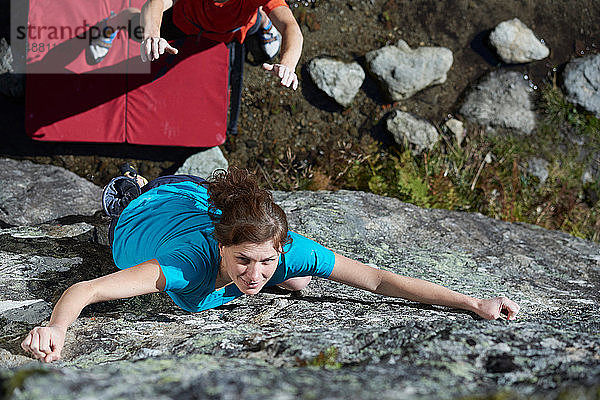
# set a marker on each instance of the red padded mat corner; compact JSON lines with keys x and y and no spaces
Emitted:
{"x":182,"y":101}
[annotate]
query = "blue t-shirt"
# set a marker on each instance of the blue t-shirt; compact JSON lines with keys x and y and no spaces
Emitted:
{"x":170,"y":223}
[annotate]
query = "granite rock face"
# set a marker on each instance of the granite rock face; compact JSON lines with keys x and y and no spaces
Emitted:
{"x":332,"y":341}
{"x":203,"y":164}
{"x":403,"y":71}
{"x":582,"y":81}
{"x":339,"y":80}
{"x":33,"y":193}
{"x":501,"y":99}
{"x":516,"y":43}
{"x":411,"y":131}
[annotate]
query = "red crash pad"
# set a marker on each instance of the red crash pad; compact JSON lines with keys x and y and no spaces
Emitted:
{"x":181,"y":101}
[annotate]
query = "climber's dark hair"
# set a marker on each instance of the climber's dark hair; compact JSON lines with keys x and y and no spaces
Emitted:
{"x":243,"y":212}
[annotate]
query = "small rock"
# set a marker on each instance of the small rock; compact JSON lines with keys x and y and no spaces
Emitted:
{"x":582,"y":82}
{"x":538,"y":167}
{"x":33,"y":193}
{"x":407,"y":128}
{"x":516,"y":43}
{"x":592,"y":172}
{"x":203,"y":164}
{"x":403,"y":71}
{"x":339,"y":80}
{"x":501,"y":99}
{"x":458,"y":128}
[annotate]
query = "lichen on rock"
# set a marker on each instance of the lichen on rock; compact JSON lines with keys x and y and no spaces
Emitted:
{"x":335,"y":341}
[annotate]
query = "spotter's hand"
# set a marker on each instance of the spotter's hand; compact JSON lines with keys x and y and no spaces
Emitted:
{"x":153,"y":47}
{"x":286,"y":74}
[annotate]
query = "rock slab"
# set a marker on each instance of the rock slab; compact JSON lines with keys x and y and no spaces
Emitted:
{"x":402,"y":71}
{"x":339,"y":80}
{"x":501,"y":99}
{"x":515,"y":43}
{"x":203,"y":164}
{"x":410,"y":130}
{"x":582,"y":82}
{"x":334,"y":341}
{"x":33,"y":193}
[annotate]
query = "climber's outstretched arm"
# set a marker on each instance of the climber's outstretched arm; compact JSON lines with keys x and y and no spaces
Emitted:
{"x":46,"y":343}
{"x":387,"y":283}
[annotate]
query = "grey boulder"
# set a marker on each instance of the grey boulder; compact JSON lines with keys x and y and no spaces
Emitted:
{"x":582,"y":82}
{"x":339,"y":80}
{"x":515,"y":43}
{"x":33,"y":193}
{"x":501,"y":99}
{"x":203,"y":164}
{"x":402,"y":71}
{"x":333,"y":341}
{"x":411,"y":131}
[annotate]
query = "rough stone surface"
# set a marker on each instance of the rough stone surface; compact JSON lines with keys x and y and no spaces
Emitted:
{"x":204,"y":163}
{"x":339,"y":80}
{"x":48,"y":230}
{"x":538,"y":167}
{"x":516,"y":43}
{"x":582,"y":82}
{"x":501,"y":99}
{"x":269,"y":345}
{"x":409,"y":130}
{"x":6,"y":57}
{"x":33,"y":193}
{"x":11,"y":85}
{"x":403,"y":71}
{"x":457,"y":128}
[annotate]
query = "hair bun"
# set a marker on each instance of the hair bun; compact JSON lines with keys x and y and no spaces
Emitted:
{"x":243,"y":212}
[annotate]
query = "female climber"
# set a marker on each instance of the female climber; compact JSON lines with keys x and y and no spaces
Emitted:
{"x":206,"y":243}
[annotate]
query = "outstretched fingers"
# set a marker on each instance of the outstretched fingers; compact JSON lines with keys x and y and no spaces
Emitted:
{"x":164,"y":46}
{"x":153,"y":47}
{"x":287,"y":76}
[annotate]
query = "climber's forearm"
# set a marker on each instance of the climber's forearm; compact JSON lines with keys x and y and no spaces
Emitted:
{"x":70,"y":304}
{"x":415,"y":289}
{"x":357,"y":274}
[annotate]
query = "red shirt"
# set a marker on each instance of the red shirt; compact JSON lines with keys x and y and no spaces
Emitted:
{"x":222,"y":22}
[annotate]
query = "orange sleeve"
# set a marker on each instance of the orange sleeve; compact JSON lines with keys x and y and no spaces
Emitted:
{"x":273,"y":4}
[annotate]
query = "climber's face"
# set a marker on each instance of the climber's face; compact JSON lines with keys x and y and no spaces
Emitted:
{"x":249,"y":265}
